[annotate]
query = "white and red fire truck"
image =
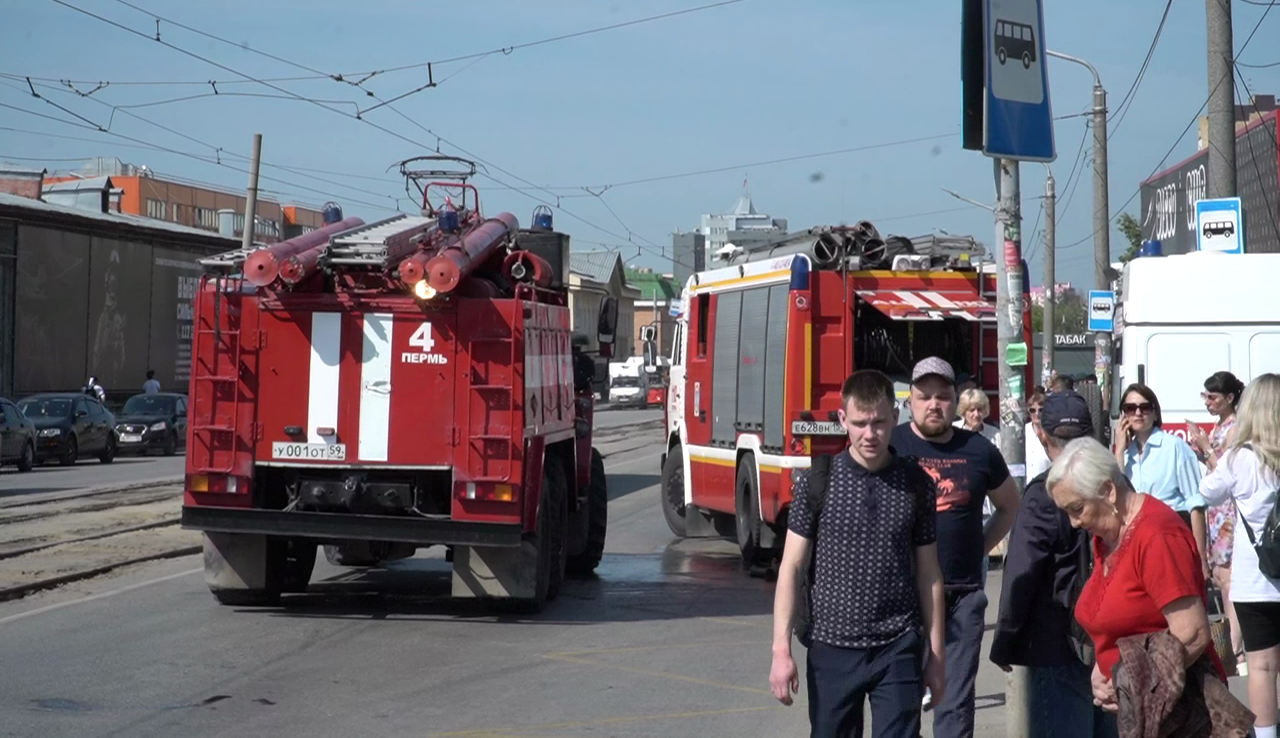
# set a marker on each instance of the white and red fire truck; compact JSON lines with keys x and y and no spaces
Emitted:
{"x":381,"y":388}
{"x":764,"y":344}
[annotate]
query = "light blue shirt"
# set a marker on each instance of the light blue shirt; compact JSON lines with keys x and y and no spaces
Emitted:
{"x":1166,"y":469}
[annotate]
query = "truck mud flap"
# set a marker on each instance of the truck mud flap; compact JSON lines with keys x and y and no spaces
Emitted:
{"x":343,"y":526}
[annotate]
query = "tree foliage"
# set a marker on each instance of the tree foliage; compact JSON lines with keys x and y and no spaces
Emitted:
{"x":1132,"y":231}
{"x":1070,"y":314}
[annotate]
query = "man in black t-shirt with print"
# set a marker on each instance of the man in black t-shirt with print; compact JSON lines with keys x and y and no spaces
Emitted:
{"x":877,"y":589}
{"x":966,"y":468}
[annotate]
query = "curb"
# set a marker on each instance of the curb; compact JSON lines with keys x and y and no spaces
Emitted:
{"x":22,"y":590}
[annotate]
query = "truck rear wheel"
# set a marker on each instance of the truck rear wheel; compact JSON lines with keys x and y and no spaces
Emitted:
{"x":555,"y":500}
{"x":672,"y":490}
{"x":597,"y":512}
{"x":748,"y":513}
{"x":243,"y":570}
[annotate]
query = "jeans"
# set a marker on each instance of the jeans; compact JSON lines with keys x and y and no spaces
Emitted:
{"x":953,"y":717}
{"x":841,"y":679}
{"x":1062,"y":704}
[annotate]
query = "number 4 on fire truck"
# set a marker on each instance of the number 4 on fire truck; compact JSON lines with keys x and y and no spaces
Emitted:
{"x":422,"y":339}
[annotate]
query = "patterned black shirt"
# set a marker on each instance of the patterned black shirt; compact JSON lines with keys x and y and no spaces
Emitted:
{"x":864,"y":590}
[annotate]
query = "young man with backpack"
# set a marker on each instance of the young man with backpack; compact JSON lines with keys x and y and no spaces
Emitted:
{"x":1046,"y":567}
{"x":860,"y":576}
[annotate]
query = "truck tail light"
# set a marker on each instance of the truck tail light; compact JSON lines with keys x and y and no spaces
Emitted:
{"x":217,"y":484}
{"x":487,"y":491}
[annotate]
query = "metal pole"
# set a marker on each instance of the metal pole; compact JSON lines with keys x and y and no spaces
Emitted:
{"x":251,"y":200}
{"x":1050,"y":278}
{"x":1009,"y":322}
{"x":1101,"y":234}
{"x":1222,"y":101}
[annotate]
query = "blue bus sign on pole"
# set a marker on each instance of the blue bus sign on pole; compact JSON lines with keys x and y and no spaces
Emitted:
{"x":1220,"y":225}
{"x":1102,"y":311}
{"x":1018,"y":117}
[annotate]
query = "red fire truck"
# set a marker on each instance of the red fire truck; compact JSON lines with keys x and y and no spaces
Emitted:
{"x":380,"y":388}
{"x":764,"y":344}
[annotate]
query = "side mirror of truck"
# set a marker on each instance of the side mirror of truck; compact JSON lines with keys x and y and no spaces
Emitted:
{"x":607,"y":327}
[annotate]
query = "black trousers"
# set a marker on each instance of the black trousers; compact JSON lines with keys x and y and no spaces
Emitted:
{"x":841,"y":679}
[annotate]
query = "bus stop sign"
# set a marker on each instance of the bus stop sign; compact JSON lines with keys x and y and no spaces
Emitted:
{"x":1018,"y":119}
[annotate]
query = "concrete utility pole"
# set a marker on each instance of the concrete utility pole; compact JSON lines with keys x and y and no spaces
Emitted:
{"x":1222,"y":101}
{"x":1101,"y":217}
{"x":1050,"y":277}
{"x":1009,"y":310}
{"x":251,"y":200}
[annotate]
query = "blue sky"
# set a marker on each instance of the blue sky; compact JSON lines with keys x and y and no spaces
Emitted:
{"x":751,"y":81}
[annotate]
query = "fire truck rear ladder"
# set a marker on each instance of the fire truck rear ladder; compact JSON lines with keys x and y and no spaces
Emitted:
{"x":496,"y":391}
{"x":212,"y":381}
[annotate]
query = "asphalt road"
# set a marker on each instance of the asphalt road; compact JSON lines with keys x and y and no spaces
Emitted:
{"x":671,"y":638}
{"x":90,"y":473}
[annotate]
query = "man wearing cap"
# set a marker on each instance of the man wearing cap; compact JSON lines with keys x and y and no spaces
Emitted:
{"x":966,"y":468}
{"x":1042,"y":576}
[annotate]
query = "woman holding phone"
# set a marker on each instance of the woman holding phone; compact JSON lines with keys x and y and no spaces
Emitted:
{"x":1159,"y":463}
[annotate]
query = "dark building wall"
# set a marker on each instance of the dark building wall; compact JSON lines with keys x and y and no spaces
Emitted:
{"x":1168,"y":200}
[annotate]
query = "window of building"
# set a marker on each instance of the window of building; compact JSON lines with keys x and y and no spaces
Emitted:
{"x":156,"y":209}
{"x":177,"y":212}
{"x":206,"y":218}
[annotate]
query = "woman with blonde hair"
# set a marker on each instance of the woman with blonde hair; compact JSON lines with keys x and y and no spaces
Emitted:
{"x":972,"y":410}
{"x":1249,"y":474}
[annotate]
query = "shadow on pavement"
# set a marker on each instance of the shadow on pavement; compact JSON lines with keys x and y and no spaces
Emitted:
{"x":689,"y":579}
{"x":621,"y":485}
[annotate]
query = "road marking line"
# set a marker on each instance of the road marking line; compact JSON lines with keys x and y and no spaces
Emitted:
{"x":98,"y":596}
{"x":604,"y":721}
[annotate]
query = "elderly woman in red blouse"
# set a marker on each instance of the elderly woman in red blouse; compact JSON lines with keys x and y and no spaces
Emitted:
{"x":1146,"y":576}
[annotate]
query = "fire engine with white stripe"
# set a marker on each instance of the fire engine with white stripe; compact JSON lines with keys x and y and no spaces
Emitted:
{"x":380,"y":388}
{"x":764,"y":344}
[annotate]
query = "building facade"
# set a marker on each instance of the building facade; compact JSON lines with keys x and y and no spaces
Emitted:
{"x":741,"y":226}
{"x":658,"y":293}
{"x":150,"y":194}
{"x":1169,"y":198}
{"x":592,"y":275}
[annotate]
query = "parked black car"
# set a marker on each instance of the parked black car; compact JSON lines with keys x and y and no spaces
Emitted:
{"x":70,"y":425}
{"x":17,"y":437}
{"x":157,"y":421}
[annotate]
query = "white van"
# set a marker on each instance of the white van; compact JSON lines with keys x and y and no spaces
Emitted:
{"x":628,"y":383}
{"x":1184,"y":317}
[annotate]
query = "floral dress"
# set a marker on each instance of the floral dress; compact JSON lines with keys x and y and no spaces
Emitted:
{"x":1220,"y":519}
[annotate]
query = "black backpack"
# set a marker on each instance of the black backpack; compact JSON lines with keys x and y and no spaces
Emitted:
{"x":1081,"y":642}
{"x":819,"y":474}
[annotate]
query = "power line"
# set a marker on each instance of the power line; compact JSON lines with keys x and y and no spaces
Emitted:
{"x":1181,"y":136}
{"x":1275,"y":225}
{"x":1142,"y":73}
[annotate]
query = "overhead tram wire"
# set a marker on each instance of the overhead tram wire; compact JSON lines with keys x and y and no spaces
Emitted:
{"x":505,"y":50}
{"x":205,"y":159}
{"x":217,"y":150}
{"x":357,"y":117}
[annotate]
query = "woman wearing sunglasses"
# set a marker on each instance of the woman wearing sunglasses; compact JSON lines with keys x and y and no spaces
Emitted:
{"x":1160,"y":464}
